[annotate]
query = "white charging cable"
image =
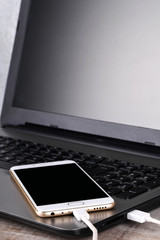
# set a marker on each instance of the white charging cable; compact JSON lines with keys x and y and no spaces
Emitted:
{"x":82,"y":215}
{"x":141,"y":217}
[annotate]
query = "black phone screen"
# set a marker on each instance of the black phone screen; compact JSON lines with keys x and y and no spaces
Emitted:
{"x":59,"y":184}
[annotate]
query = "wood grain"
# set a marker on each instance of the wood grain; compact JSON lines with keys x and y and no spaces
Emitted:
{"x":10,"y":230}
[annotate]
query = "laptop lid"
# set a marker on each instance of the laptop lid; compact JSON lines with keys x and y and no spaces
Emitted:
{"x":87,"y":66}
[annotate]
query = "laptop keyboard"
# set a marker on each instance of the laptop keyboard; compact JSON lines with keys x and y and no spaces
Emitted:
{"x":119,"y":178}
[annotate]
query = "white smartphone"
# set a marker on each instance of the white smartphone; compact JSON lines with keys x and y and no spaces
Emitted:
{"x":57,"y":188}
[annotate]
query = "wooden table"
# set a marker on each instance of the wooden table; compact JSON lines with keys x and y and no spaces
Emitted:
{"x":10,"y":230}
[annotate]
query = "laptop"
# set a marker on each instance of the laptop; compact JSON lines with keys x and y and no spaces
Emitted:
{"x":83,"y":85}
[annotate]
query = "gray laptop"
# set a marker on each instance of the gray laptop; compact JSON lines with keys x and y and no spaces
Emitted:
{"x":84,"y":85}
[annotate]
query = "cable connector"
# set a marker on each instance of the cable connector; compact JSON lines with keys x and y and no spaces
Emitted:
{"x":141,"y":217}
{"x":79,"y":213}
{"x":82,"y":215}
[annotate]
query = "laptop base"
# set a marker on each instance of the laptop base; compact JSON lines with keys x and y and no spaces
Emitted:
{"x":14,"y":205}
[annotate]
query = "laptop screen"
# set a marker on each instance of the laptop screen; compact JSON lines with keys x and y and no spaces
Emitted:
{"x":92,"y":59}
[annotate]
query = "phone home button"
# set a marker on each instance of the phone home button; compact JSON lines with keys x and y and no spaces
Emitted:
{"x":75,"y":204}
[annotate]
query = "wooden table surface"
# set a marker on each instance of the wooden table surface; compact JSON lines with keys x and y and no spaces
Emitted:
{"x":10,"y":230}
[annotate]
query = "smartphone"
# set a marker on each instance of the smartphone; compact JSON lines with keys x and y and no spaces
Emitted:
{"x":57,"y":188}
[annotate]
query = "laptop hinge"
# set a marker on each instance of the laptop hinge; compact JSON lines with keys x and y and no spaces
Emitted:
{"x":40,"y":126}
{"x":150,"y":143}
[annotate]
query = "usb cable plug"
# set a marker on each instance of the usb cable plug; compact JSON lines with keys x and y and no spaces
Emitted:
{"x":141,"y":217}
{"x":82,"y":215}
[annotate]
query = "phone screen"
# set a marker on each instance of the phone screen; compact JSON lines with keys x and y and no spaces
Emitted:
{"x":59,"y":184}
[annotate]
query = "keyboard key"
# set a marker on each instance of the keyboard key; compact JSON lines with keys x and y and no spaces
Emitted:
{"x":96,"y":171}
{"x":152,"y":184}
{"x":133,"y":192}
{"x":114,"y":190}
{"x":6,"y":158}
{"x":17,"y":161}
{"x":111,"y":183}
